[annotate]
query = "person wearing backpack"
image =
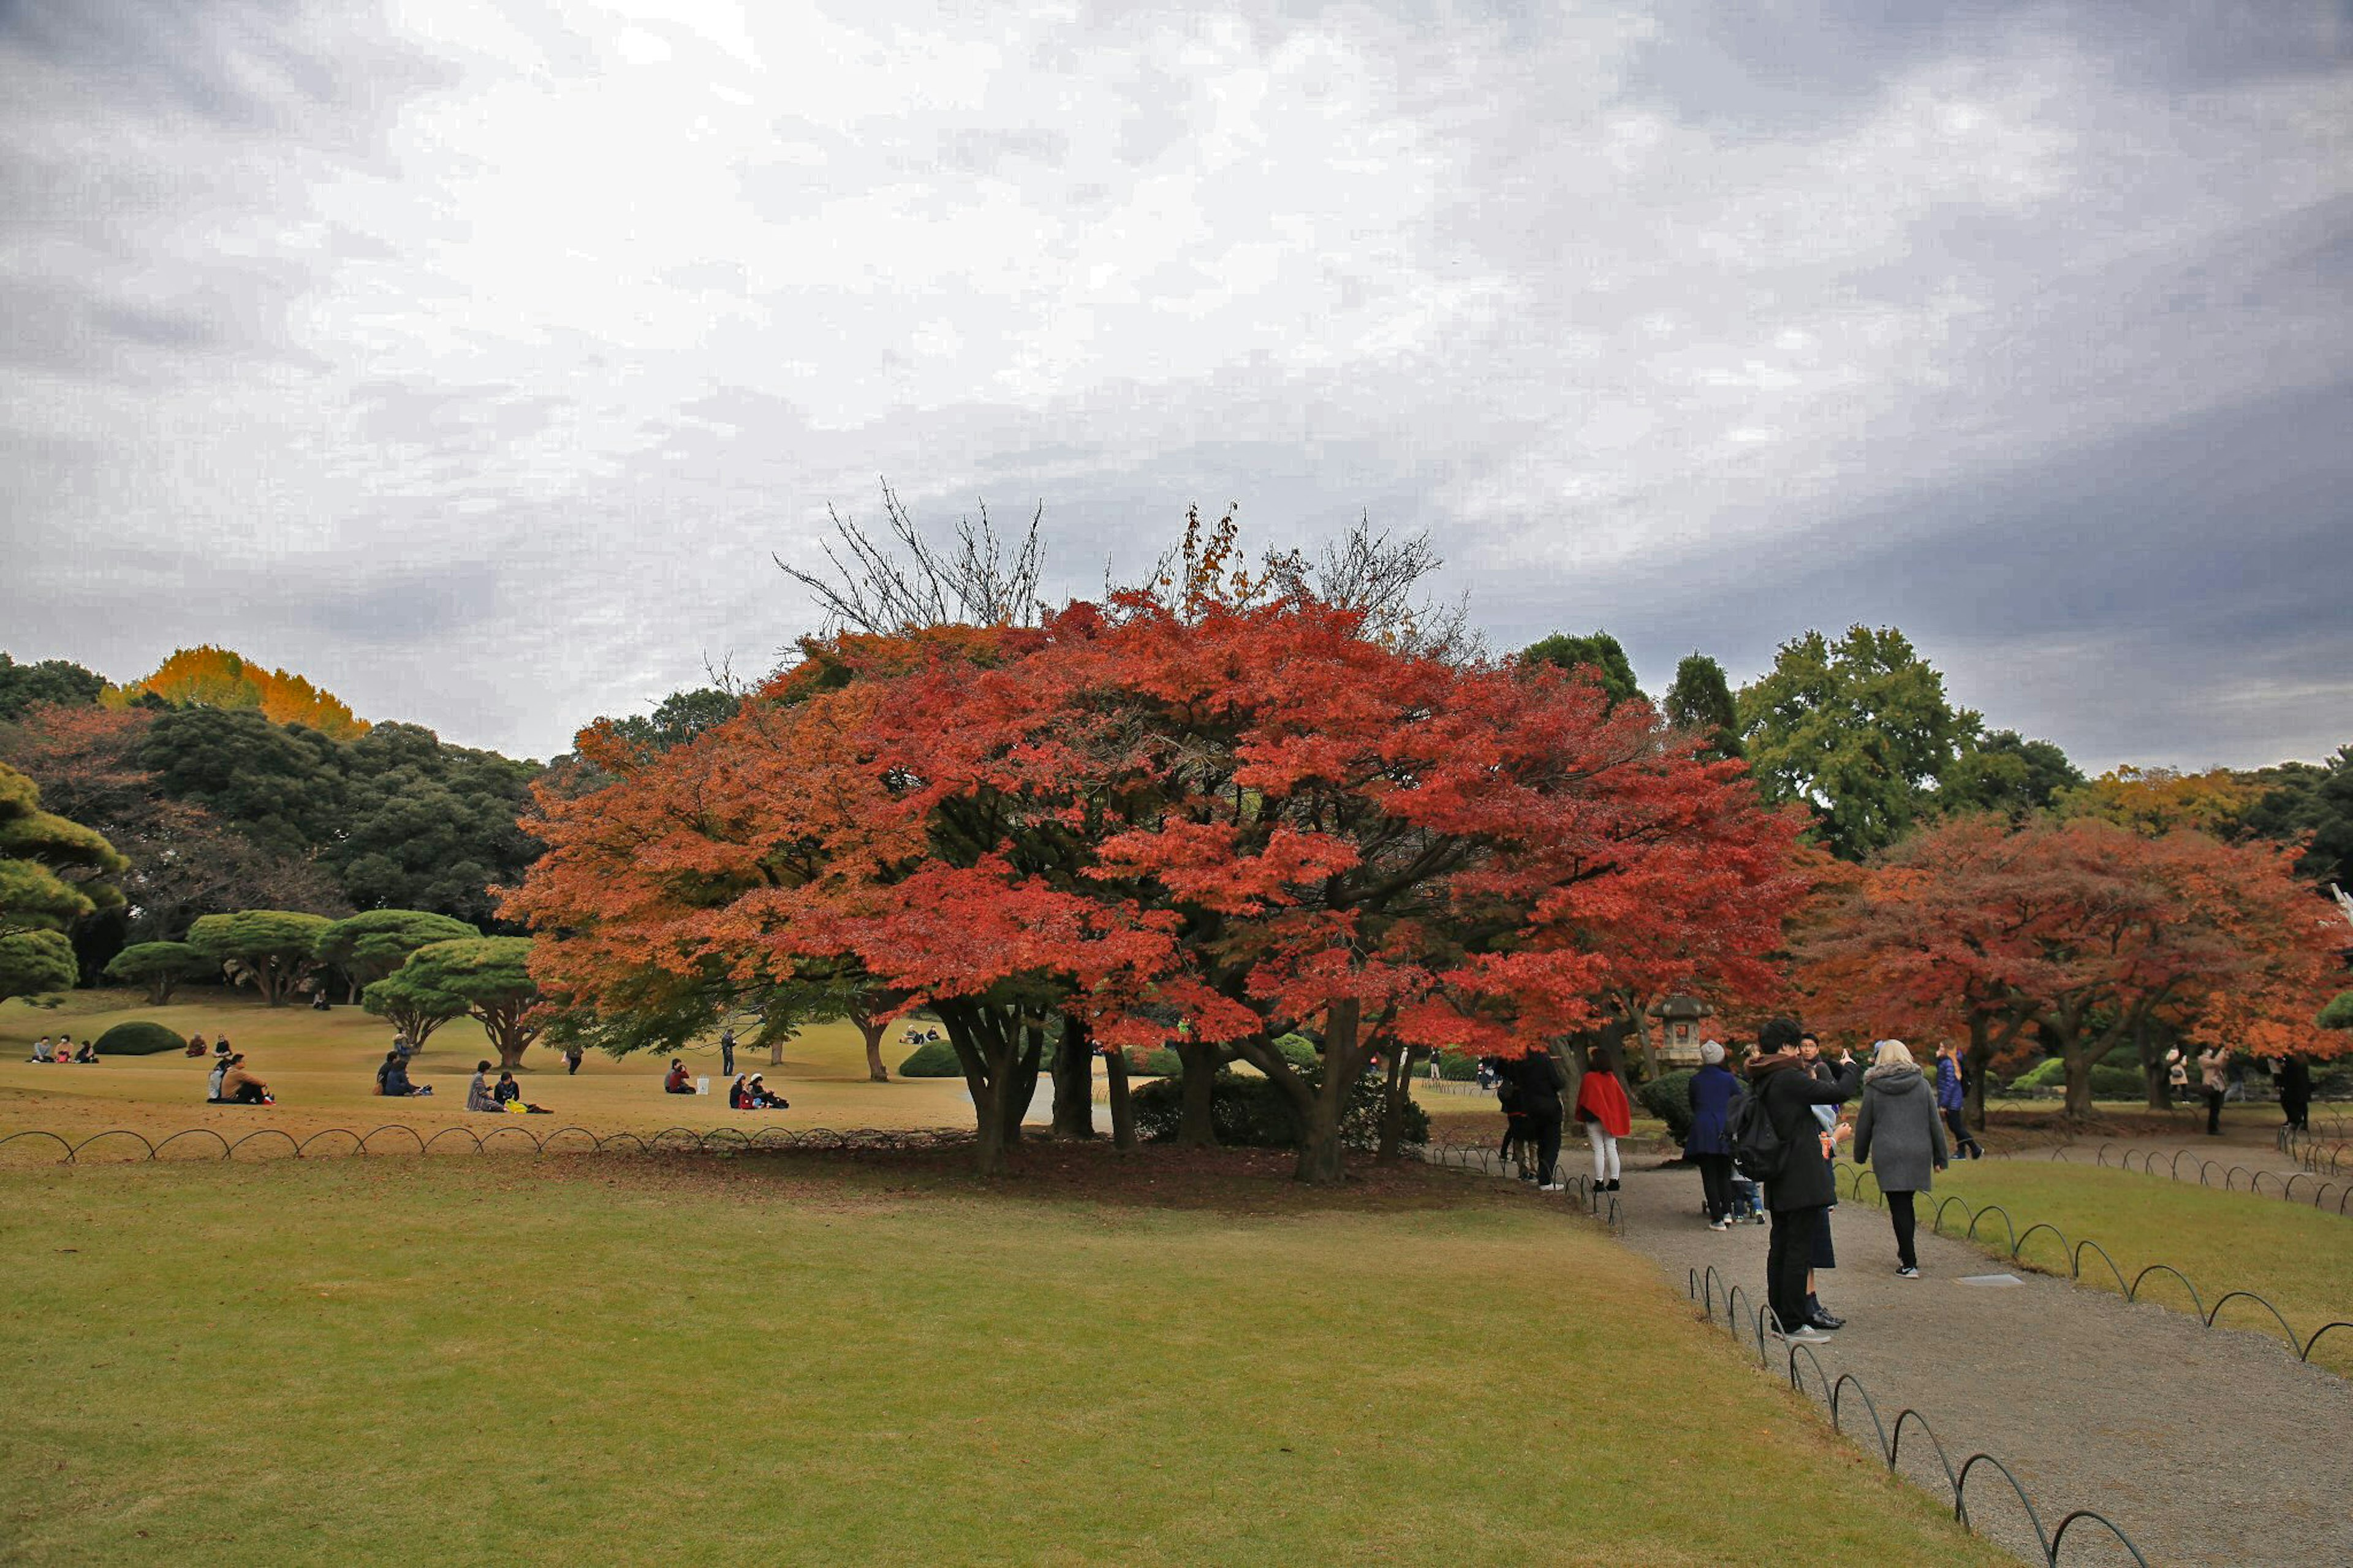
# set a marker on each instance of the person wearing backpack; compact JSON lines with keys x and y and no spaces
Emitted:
{"x":1778,"y":1141}
{"x":1541,"y":1079}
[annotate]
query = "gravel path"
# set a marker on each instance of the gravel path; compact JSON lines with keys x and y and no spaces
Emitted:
{"x":2205,"y":1445}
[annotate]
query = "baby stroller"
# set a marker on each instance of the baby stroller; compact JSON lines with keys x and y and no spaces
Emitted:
{"x":1747,"y":1202}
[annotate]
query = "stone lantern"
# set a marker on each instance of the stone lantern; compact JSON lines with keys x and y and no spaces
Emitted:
{"x":1679,"y":1035}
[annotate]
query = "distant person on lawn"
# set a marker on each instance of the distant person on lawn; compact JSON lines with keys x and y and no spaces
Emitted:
{"x":506,"y":1090}
{"x":2295,"y":1092}
{"x":737,"y":1100}
{"x":572,"y":1055}
{"x":2213,"y":1075}
{"x":726,"y":1050}
{"x":88,"y":1053}
{"x":392,"y":1077}
{"x":676,"y":1080}
{"x":478,"y":1093}
{"x":239,"y":1087}
{"x":760,"y":1097}
{"x":41,"y":1050}
{"x":1952,"y":1103}
{"x":1714,"y":1089}
{"x":220,"y":1046}
{"x":213,"y":1080}
{"x":1898,"y":1135}
{"x":196,"y":1045}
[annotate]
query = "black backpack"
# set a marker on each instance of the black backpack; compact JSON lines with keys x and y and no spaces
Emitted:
{"x":1758,"y":1152}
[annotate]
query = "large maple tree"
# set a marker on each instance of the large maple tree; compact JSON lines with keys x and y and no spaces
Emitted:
{"x":1207,"y":824}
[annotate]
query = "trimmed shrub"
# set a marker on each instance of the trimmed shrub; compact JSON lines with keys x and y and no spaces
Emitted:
{"x":933,"y":1058}
{"x":2339,"y":1014}
{"x":2107,"y":1082}
{"x":1301,"y":1053}
{"x":139,"y":1039}
{"x":1666,"y":1098}
{"x":1163,"y":1063}
{"x":1253,"y":1113}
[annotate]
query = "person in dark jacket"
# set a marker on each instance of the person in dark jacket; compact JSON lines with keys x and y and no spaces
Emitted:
{"x":1541,"y":1079}
{"x":506,"y":1089}
{"x":1800,"y":1194}
{"x":1515,"y":1125}
{"x":392,"y":1077}
{"x":2295,"y":1092}
{"x":1713,"y":1093}
{"x":1952,"y":1103}
{"x":1898,"y":1133}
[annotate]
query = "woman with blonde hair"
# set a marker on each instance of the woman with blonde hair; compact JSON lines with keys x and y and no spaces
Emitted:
{"x":1899,"y":1134}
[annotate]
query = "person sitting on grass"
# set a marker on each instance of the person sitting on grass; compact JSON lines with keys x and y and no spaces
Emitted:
{"x":737,"y":1100}
{"x":239,"y":1087}
{"x":758,"y":1096}
{"x":392,"y":1077}
{"x":479,"y":1096}
{"x":213,"y":1081}
{"x":506,"y":1089}
{"x":220,"y":1046}
{"x":88,"y":1053}
{"x":41,"y":1050}
{"x":676,"y":1081}
{"x":196,"y":1045}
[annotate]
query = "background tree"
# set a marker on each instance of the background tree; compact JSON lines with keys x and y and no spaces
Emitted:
{"x":2004,"y":772}
{"x":160,"y":966}
{"x":1598,"y":654}
{"x":427,"y":825}
{"x":2310,"y":806}
{"x":413,"y":1003}
{"x":1859,"y":730}
{"x":365,"y":947}
{"x":270,"y":947}
{"x":52,"y":873}
{"x":281,"y":788}
{"x":491,"y":975}
{"x":2157,"y":801}
{"x":1701,"y":701}
{"x":50,"y":681}
{"x":208,"y":676}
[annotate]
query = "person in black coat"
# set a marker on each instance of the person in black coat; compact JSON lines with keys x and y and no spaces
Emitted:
{"x":2295,"y":1092}
{"x":1540,"y":1079}
{"x":1799,"y":1196}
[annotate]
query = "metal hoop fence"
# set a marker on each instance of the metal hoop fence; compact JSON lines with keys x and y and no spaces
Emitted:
{"x":2329,"y":1196}
{"x":395,"y":1137}
{"x":1851,"y":1178}
{"x":1602,"y":1206}
{"x":1740,"y":1317}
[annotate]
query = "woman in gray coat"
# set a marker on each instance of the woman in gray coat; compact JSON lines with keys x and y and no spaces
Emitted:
{"x":1899,"y":1134}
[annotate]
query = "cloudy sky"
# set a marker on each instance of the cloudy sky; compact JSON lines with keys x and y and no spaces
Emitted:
{"x":471,"y":358}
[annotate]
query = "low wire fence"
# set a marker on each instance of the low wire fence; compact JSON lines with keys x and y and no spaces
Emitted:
{"x":2318,"y":1154}
{"x":1601,"y":1204}
{"x":122,"y":1145}
{"x":1851,"y":1178}
{"x":2168,"y":1162}
{"x":1740,"y":1316}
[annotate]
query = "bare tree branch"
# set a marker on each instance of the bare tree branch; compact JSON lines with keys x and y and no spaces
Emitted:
{"x":904,"y":583}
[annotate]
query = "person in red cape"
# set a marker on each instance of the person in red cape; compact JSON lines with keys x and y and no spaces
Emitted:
{"x":1601,"y":1106}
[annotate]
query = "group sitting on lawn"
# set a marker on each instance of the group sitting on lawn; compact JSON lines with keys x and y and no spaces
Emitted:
{"x":753,"y":1095}
{"x":676,"y":1080}
{"x":62,"y":1051}
{"x":392,"y":1077}
{"x":230,"y":1084}
{"x":502,"y":1098}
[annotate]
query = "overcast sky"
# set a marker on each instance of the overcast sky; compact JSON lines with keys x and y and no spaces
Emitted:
{"x":471,"y":358}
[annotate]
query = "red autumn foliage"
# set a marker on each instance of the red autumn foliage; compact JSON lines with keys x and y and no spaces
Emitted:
{"x":1248,"y":818}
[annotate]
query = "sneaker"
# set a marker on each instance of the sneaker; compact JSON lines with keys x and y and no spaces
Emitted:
{"x":1907,"y":1273}
{"x":1807,"y":1334}
{"x":1717,"y":1224}
{"x":1553,"y":1187}
{"x":1826,"y":1322}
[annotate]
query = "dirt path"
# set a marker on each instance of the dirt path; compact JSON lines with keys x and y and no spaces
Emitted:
{"x":2206,"y":1445}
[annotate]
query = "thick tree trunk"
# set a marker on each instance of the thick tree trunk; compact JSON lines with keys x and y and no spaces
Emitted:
{"x":776,"y":1052}
{"x":1074,"y":1080}
{"x":1196,"y":1127}
{"x":2078,"y":1058}
{"x":1019,"y":1082}
{"x":871,"y":1031}
{"x":1122,"y":1111}
{"x":987,"y":1040}
{"x":1319,"y":1149}
{"x":159,"y":990}
{"x":2147,"y":1046}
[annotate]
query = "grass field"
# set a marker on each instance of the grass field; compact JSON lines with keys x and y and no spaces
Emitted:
{"x":2299,"y":1259}
{"x":807,"y":1360}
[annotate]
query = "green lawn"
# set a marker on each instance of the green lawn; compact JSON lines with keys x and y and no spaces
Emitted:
{"x":2300,"y":1259}
{"x":627,"y":1359}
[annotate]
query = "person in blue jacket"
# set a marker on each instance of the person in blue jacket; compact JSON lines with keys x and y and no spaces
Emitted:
{"x":1713,"y":1093}
{"x":1952,"y":1101}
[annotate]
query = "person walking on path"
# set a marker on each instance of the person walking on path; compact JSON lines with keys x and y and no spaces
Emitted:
{"x":1799,"y":1193}
{"x":1952,"y":1104}
{"x":1601,"y":1106}
{"x":1712,"y":1093}
{"x":727,"y":1053}
{"x":2295,"y":1092}
{"x":1898,"y":1135}
{"x":1541,"y":1081}
{"x":2213,"y":1067}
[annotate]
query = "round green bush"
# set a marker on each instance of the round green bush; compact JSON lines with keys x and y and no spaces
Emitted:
{"x":933,"y":1058}
{"x":1300,"y":1053}
{"x":2049,"y":1073}
{"x":2107,"y":1082}
{"x":1668,"y":1098}
{"x":139,"y":1039}
{"x":2339,"y":1014}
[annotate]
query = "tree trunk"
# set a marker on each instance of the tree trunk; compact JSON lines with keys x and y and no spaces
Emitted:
{"x":1019,"y":1082}
{"x":1642,"y":1021}
{"x":2078,"y":1058}
{"x":1074,"y":1080}
{"x":1397,"y":1093}
{"x":159,"y":990}
{"x":872,"y":1030}
{"x":1122,"y":1111}
{"x":984,"y":1046}
{"x":1197,"y":1128}
{"x":2146,"y":1047}
{"x":1319,"y":1146}
{"x":776,"y":1052}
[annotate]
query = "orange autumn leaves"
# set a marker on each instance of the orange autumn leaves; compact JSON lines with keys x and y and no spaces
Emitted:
{"x":1230,"y":816}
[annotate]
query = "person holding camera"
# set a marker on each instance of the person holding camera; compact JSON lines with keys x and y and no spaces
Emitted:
{"x":1800,"y":1193}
